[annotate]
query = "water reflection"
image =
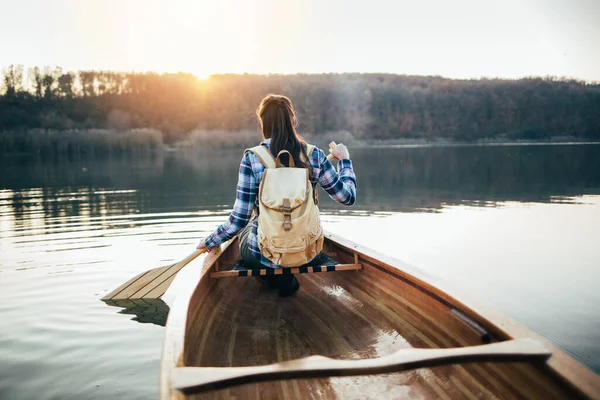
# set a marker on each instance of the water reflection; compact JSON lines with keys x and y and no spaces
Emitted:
{"x":401,"y":179}
{"x":146,"y":311}
{"x":72,"y":230}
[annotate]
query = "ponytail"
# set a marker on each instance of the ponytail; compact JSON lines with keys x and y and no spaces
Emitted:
{"x":278,"y":121}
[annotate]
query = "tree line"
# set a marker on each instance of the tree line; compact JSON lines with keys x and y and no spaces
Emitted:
{"x":369,"y":106}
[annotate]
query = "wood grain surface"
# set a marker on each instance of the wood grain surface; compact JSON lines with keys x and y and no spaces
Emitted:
{"x":353,"y":315}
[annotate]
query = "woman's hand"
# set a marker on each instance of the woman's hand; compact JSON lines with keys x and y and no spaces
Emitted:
{"x":202,"y":246}
{"x":341,"y":152}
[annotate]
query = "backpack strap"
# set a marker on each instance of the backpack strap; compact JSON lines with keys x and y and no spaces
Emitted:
{"x":309,"y":149}
{"x":264,"y":155}
{"x":278,"y":161}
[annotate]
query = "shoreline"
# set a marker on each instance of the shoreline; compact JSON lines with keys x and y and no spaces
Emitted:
{"x":145,"y":141}
{"x":478,"y":144}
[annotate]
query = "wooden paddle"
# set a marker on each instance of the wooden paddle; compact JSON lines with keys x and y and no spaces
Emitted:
{"x":194,"y":379}
{"x":151,"y":284}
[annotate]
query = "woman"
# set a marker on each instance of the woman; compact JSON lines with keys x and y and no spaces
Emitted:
{"x":278,"y":122}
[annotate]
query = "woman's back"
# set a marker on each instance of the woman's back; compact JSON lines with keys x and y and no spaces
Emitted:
{"x":278,"y":122}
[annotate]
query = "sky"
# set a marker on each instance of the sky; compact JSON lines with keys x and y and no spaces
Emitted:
{"x":451,"y":38}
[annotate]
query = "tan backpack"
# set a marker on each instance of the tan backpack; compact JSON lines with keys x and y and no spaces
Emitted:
{"x":289,"y":228}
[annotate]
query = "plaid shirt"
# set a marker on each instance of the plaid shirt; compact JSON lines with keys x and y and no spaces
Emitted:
{"x":340,"y":185}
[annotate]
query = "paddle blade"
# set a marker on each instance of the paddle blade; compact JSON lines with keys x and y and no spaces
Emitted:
{"x":151,"y":284}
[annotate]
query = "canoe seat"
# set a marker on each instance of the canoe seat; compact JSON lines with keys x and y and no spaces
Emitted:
{"x":285,"y":271}
{"x":321,"y":263}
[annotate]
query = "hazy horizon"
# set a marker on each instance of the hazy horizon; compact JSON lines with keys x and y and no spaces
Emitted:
{"x":27,"y":68}
{"x":467,"y":39}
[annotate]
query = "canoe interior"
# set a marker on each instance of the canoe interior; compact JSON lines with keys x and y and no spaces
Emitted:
{"x":346,"y":315}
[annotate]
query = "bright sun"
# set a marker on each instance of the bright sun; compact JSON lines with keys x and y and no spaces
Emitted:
{"x":202,"y":75}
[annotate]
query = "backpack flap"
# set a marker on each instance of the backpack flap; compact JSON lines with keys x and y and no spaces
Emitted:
{"x":284,"y":183}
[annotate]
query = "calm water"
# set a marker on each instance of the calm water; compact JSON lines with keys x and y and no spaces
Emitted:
{"x":514,"y":227}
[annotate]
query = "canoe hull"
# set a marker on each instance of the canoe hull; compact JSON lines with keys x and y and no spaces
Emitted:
{"x":234,"y":322}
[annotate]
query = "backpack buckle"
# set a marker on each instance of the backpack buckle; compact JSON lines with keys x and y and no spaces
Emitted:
{"x":287,"y":215}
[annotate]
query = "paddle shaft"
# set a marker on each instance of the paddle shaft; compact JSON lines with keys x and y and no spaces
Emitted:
{"x":193,"y":256}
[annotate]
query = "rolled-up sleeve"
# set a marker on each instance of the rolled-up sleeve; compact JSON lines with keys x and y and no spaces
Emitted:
{"x":340,"y":185}
{"x":247,"y":188}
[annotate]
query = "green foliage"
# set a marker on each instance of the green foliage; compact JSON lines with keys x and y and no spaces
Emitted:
{"x":193,"y":112}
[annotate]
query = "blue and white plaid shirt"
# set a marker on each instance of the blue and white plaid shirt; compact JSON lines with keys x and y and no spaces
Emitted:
{"x":340,"y":185}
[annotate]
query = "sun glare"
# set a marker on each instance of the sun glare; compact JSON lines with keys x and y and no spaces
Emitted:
{"x":202,"y":75}
{"x":312,"y":36}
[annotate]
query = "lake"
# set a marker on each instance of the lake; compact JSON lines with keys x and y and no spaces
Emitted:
{"x":515,"y":227}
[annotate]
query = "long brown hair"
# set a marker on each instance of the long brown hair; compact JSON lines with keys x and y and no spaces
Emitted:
{"x":278,"y":122}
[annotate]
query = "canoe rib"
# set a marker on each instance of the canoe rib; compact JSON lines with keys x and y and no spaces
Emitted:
{"x":397,"y":296}
{"x":195,"y":379}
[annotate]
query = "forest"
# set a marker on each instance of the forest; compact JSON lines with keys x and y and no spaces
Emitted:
{"x":166,"y":108}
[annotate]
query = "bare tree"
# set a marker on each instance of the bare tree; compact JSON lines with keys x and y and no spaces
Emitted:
{"x":35,"y":79}
{"x":13,"y":80}
{"x":50,"y":81}
{"x":88,"y":82}
{"x":65,"y":84}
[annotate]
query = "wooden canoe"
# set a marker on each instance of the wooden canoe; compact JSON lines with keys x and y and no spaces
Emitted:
{"x":366,"y":317}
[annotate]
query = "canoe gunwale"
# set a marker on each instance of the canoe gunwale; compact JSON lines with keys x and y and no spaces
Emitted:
{"x":500,"y":327}
{"x":173,"y":343}
{"x":573,"y":373}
